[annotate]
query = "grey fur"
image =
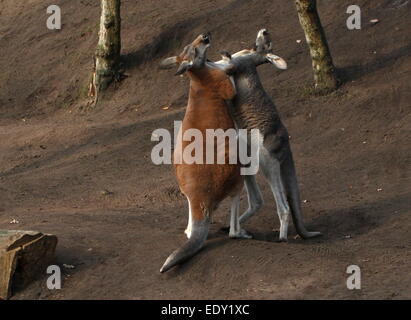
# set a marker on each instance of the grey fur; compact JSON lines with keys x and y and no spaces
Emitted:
{"x":252,"y":108}
{"x":236,"y":232}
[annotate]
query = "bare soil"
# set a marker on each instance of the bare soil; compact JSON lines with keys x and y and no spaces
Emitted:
{"x":85,"y":174}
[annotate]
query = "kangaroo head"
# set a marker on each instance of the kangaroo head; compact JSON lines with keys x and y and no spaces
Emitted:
{"x":192,"y":57}
{"x":264,"y":48}
{"x":260,"y":53}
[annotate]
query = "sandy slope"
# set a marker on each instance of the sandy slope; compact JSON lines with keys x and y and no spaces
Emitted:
{"x":57,"y":160}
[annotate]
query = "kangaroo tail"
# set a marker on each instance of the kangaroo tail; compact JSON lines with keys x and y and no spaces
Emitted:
{"x":289,"y":178}
{"x":196,"y":242}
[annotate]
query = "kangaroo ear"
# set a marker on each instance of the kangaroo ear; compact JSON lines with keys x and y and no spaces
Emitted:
{"x":277,"y":61}
{"x":184,"y":66}
{"x":225,"y":55}
{"x":169,"y":63}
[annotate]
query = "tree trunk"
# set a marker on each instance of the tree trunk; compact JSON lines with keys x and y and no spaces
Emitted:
{"x":324,"y":72}
{"x":107,"y":55}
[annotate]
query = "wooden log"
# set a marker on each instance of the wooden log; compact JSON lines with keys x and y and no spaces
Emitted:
{"x":24,"y":255}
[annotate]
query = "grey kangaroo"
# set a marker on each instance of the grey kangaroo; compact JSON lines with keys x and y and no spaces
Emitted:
{"x":252,"y":108}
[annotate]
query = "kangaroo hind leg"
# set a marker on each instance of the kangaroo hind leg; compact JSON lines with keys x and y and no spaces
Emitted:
{"x":255,"y":198}
{"x":200,"y":225}
{"x":271,"y":169}
{"x":190,"y":220}
{"x":235,"y":229}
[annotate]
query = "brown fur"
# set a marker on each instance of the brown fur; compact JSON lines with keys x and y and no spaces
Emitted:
{"x":206,"y":185}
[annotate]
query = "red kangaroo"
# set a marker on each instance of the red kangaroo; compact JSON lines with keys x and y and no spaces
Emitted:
{"x":204,"y":185}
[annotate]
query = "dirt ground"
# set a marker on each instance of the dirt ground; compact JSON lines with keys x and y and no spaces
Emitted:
{"x":86,"y":174}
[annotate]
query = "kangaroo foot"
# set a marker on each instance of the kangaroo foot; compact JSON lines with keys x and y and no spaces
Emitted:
{"x":241,"y":234}
{"x":282,"y":240}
